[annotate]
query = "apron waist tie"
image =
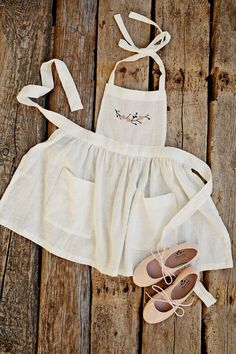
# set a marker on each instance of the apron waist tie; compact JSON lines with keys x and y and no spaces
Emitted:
{"x":187,"y":211}
{"x":204,"y":295}
{"x":36,"y":91}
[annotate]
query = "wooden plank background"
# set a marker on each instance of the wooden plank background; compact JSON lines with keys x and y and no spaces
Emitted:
{"x":53,"y":306}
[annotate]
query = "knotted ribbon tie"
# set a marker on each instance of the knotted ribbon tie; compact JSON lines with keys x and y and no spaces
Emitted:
{"x":166,"y":272}
{"x":175,"y":304}
{"x":156,"y":44}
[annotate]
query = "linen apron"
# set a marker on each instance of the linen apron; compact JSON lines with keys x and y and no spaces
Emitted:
{"x":107,"y":198}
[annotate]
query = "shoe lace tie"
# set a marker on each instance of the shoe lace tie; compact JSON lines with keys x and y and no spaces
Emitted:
{"x":174,"y":303}
{"x":166,"y":272}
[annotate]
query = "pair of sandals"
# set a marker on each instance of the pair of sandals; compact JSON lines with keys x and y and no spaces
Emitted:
{"x":164,"y":265}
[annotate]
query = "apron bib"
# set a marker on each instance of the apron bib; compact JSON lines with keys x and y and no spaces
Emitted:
{"x":135,"y":116}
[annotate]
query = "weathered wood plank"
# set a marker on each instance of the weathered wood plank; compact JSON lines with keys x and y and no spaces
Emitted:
{"x":116,"y":302}
{"x":64,"y":325}
{"x":24,"y":36}
{"x":219,"y":320}
{"x":186,"y":60}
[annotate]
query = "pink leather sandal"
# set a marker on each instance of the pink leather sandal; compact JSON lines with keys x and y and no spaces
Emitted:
{"x":163,"y":265}
{"x":169,"y":301}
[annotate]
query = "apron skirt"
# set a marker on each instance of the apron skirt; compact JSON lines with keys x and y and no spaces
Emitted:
{"x":93,"y":200}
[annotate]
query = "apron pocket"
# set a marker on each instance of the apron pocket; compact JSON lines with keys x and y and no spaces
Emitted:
{"x":147,"y":219}
{"x":71,"y":203}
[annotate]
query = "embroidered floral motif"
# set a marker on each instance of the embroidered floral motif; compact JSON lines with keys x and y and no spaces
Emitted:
{"x":132,"y":118}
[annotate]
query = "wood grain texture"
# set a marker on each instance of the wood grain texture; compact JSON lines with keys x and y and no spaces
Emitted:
{"x":117,"y":302}
{"x":219,"y":320}
{"x":64,"y":325}
{"x":24,"y":36}
{"x":186,"y":61}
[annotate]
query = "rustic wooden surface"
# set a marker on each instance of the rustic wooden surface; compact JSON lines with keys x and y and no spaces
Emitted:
{"x":220,"y":336}
{"x":52,"y":306}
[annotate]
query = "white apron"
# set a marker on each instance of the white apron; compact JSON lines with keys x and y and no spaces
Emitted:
{"x":107,"y":198}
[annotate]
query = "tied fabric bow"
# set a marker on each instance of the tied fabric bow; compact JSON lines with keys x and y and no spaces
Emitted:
{"x":163,"y":37}
{"x":166,"y":298}
{"x":127,"y":43}
{"x":166,"y":272}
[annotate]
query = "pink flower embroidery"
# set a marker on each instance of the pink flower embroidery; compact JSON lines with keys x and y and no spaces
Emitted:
{"x":134,"y":119}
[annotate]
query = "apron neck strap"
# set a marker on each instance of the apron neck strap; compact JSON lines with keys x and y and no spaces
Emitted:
{"x":156,"y":44}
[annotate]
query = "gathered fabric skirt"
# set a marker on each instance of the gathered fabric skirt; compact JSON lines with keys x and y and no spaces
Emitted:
{"x":97,"y":201}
